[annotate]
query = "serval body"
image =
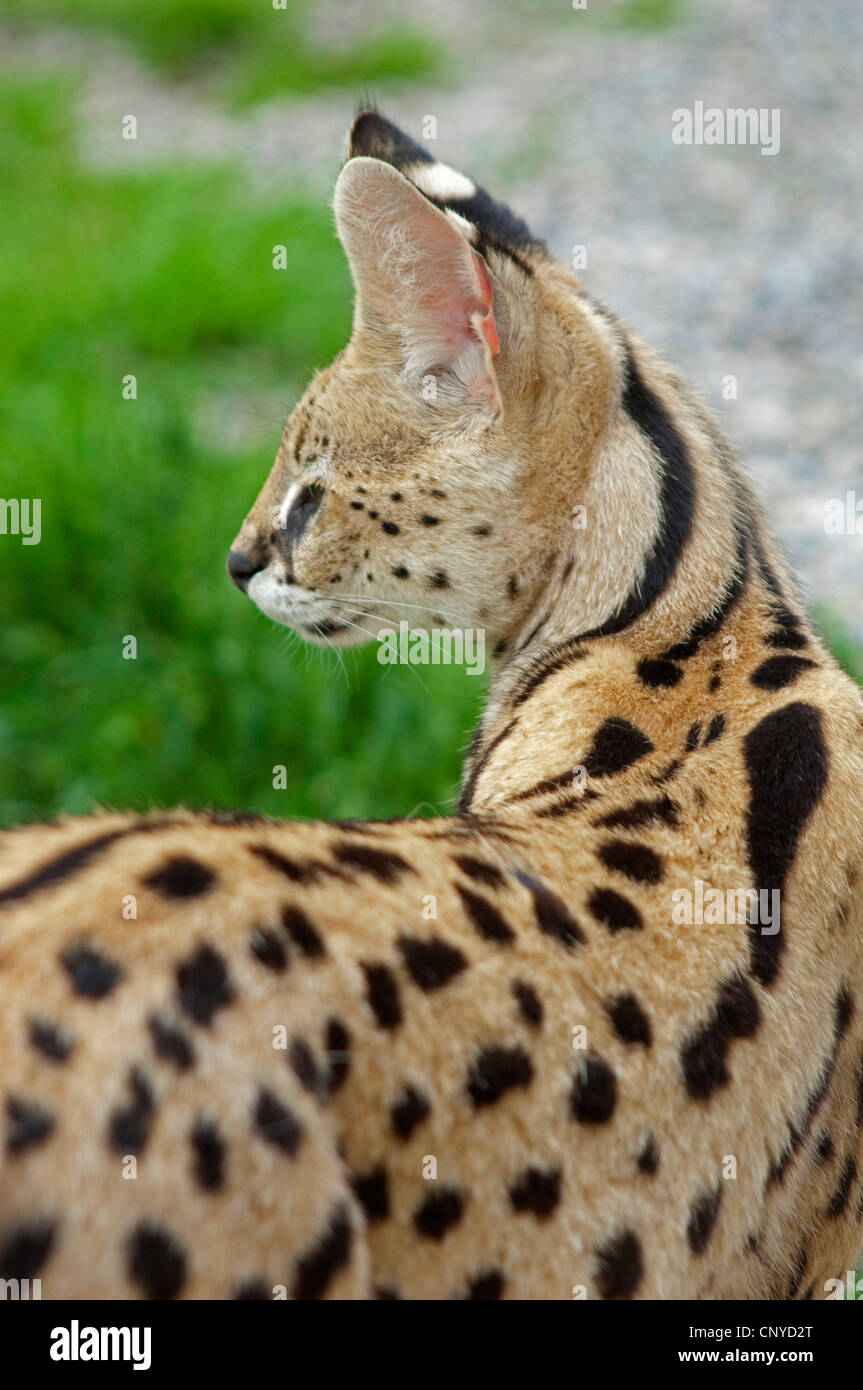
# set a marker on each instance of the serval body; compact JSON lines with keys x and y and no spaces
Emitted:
{"x":531,"y":1050}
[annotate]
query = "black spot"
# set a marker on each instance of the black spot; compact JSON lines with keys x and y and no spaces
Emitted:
{"x":702,"y":1219}
{"x":181,"y":877}
{"x":431,"y":963}
{"x":401,"y":572}
{"x":593,"y":1097}
{"x":266,"y":947}
{"x":170,"y":1042}
{"x":616,"y":745}
{"x":619,"y":1266}
{"x":439,"y":1212}
{"x":303,"y":933}
{"x":786,"y":637}
{"x":736,"y":1014}
{"x":487,"y":1286}
{"x":383,"y":994}
{"x":481,"y":871}
{"x":824,"y":1148}
{"x":50,"y":1040}
{"x":91,"y":973}
{"x":778,"y":671}
{"x":383,"y":865}
{"x":714,"y":683}
{"x":658,"y":673}
{"x":203,"y":986}
{"x":553,"y":917}
{"x":209,"y":1155}
{"x":390,"y":527}
{"x":25,"y":1249}
{"x":156,"y":1261}
{"x":408,"y":1111}
{"x":275,"y":1123}
{"x":512,"y":586}
{"x":648,"y":1158}
{"x":439,"y":580}
{"x":395,"y":497}
{"x":839,"y":1199}
{"x":306,"y":1069}
{"x":496,"y":1070}
{"x":252,"y":1291}
{"x":483,"y":530}
{"x":29,"y":1124}
{"x":428,"y":520}
{"x":629,"y":1019}
{"x":528,"y":1002}
{"x":310,"y":872}
{"x":129,"y":1125}
{"x":488,"y":921}
{"x":319,"y":1266}
{"x":635,"y":861}
{"x":693,"y":737}
{"x":338,"y":1042}
{"x":787,"y":761}
{"x":661,"y":810}
{"x":716,"y":727}
{"x":372,"y":1191}
{"x":536,"y":1190}
{"x":614,"y":911}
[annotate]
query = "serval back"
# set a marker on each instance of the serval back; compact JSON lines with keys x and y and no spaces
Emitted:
{"x":601,"y":1030}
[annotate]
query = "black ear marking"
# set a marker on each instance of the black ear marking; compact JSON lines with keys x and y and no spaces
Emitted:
{"x":497,"y":226}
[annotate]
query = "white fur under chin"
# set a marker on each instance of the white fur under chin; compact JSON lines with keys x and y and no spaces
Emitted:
{"x":299,"y":609}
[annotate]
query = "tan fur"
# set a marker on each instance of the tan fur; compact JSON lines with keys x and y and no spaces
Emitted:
{"x":563,"y":440}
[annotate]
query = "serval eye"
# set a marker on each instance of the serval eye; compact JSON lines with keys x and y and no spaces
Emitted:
{"x":303,"y":507}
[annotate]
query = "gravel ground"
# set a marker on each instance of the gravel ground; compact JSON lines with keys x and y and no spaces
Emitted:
{"x":730,"y":261}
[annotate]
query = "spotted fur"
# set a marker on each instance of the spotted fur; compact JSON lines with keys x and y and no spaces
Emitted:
{"x":546,"y":1086}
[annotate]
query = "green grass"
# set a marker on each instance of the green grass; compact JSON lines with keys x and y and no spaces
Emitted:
{"x":169,"y":276}
{"x":246,"y":49}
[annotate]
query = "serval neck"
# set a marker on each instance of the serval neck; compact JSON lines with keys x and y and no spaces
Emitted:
{"x":692,"y":572}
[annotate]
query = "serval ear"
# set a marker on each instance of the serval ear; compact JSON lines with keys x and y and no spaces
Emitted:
{"x":415,"y":271}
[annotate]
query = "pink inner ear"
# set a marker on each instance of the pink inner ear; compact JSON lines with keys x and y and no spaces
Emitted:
{"x":451,"y":286}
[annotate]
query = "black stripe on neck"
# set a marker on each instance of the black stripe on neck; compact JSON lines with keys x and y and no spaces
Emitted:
{"x":676,"y":498}
{"x":709,"y":626}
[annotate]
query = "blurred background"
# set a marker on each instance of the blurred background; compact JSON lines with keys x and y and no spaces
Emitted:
{"x":153,"y":257}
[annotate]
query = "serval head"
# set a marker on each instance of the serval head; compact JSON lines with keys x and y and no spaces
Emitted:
{"x":430,"y":471}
